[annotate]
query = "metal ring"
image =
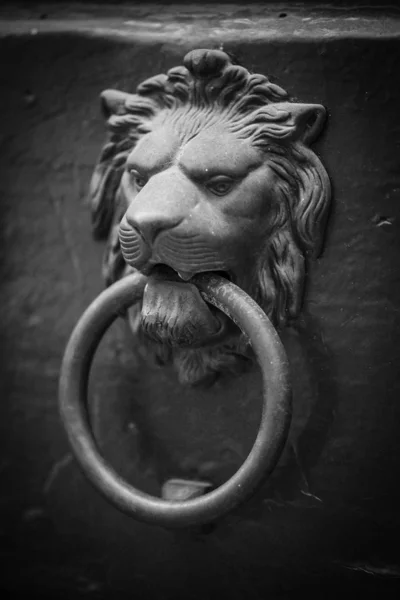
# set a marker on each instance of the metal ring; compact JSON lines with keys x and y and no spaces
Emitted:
{"x":275,"y":419}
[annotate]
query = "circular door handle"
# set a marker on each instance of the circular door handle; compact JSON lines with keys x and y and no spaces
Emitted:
{"x":274,"y":423}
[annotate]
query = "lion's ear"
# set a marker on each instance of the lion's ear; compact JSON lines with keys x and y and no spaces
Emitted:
{"x":113,"y":102}
{"x":307,"y":119}
{"x":109,"y":168}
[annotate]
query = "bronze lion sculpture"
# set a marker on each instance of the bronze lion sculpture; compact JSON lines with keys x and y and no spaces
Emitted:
{"x":208,"y":168}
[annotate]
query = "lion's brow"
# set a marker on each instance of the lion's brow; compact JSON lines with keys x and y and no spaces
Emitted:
{"x":205,"y":168}
{"x":141,"y":166}
{"x":154,"y":153}
{"x":207,"y":172}
{"x":147,"y":162}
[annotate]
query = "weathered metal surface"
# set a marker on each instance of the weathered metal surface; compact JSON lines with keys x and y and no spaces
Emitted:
{"x":330,"y":516}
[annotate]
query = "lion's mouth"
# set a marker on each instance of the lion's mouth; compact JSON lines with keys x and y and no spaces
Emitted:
{"x":163,"y":271}
{"x":174,"y":312}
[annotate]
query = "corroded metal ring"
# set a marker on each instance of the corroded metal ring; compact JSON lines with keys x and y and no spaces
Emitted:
{"x":275,"y":419}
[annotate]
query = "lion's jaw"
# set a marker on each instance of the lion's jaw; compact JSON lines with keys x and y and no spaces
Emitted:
{"x":174,"y":313}
{"x":177,"y":326}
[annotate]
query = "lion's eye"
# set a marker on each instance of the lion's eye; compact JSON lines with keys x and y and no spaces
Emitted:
{"x":137,"y":178}
{"x":220,"y":185}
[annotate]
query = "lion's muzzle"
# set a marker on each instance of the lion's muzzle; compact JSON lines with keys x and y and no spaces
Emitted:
{"x":135,"y":250}
{"x":173,"y":312}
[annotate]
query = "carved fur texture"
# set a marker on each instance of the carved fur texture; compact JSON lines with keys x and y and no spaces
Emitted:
{"x":208,"y":90}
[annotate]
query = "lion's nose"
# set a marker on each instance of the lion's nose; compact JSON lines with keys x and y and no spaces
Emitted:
{"x":150,"y":224}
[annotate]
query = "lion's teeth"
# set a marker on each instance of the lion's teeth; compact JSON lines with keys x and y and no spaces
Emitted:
{"x":184,"y":276}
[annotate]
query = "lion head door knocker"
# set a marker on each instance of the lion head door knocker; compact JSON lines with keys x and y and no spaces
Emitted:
{"x":211,"y":203}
